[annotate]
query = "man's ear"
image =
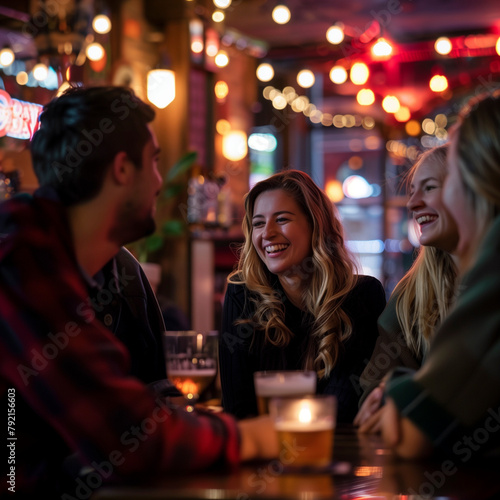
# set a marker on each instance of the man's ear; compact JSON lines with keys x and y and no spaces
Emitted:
{"x":121,"y":169}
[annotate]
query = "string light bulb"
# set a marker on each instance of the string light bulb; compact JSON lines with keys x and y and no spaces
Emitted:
{"x":305,"y":78}
{"x":221,"y":59}
{"x":443,"y":45}
{"x":338,"y":74}
{"x":101,"y":24}
{"x":402,"y":114}
{"x":221,"y":89}
{"x":40,"y":72}
{"x":265,"y":72}
{"x":281,"y":14}
{"x":335,"y":34}
{"x":390,"y":104}
{"x":95,"y":51}
{"x":222,"y":4}
{"x":365,"y":97}
{"x":223,"y":127}
{"x":218,"y":16}
{"x":197,"y":46}
{"x":438,"y":83}
{"x":382,"y":48}
{"x":6,"y":57}
{"x":234,"y":145}
{"x":359,"y":73}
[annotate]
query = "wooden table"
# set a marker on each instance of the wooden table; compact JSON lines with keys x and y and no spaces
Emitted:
{"x":363,"y":468}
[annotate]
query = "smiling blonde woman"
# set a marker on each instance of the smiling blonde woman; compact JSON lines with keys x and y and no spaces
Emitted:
{"x":423,"y":297}
{"x":295,"y":302}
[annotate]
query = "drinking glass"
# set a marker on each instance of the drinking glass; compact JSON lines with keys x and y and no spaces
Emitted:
{"x":287,"y":383}
{"x":191,"y":358}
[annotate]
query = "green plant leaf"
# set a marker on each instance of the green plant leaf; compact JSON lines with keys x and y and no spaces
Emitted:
{"x":154,"y":242}
{"x":183,"y":165}
{"x":171,"y":191}
{"x":173,"y":227}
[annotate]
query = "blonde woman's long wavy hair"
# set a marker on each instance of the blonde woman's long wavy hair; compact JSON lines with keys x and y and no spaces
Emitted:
{"x":478,"y":157}
{"x":427,"y":290}
{"x":329,"y":271}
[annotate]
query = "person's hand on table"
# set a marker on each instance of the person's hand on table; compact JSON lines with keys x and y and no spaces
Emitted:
{"x":402,"y":435}
{"x":369,"y":415}
{"x":259,"y":439}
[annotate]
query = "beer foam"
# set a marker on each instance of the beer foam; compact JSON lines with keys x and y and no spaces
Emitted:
{"x":299,"y":386}
{"x":207,"y":372}
{"x":294,"y":426}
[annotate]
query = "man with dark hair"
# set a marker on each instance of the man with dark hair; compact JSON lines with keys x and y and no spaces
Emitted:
{"x":78,"y":137}
{"x":70,"y":381}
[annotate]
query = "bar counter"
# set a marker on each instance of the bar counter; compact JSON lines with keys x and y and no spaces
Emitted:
{"x":362,"y":468}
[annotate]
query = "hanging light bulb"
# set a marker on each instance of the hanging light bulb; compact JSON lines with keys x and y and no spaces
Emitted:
{"x":305,"y":78}
{"x":161,"y":87}
{"x":497,"y":46}
{"x":221,"y":59}
{"x":234,"y":145}
{"x":101,"y":24}
{"x":197,"y":46}
{"x":95,"y":51}
{"x":218,"y":16}
{"x":212,"y":49}
{"x":222,"y":126}
{"x":211,"y":43}
{"x":40,"y":72}
{"x":265,"y":72}
{"x":222,"y":4}
{"x":281,"y":14}
{"x":6,"y":57}
{"x":221,"y":89}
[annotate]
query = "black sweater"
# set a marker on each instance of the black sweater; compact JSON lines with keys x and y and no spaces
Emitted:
{"x":239,"y":360}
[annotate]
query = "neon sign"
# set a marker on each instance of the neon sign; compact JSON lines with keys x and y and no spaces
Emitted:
{"x":18,"y":119}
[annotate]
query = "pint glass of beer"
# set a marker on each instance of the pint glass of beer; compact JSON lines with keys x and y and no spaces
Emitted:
{"x":286,"y":384}
{"x":305,"y":428}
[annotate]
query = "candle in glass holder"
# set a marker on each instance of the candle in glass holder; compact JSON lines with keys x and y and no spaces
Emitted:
{"x":305,"y":428}
{"x":191,"y":360}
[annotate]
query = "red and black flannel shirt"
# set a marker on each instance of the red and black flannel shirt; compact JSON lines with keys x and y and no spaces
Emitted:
{"x":66,"y":374}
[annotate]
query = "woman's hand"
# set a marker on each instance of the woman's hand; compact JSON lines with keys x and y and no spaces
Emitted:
{"x":402,"y":435}
{"x":368,"y":417}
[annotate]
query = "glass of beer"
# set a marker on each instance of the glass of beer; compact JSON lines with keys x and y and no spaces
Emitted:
{"x":191,"y":358}
{"x":305,"y":428}
{"x":286,"y":384}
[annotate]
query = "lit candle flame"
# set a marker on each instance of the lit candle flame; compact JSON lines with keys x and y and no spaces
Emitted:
{"x":305,"y":415}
